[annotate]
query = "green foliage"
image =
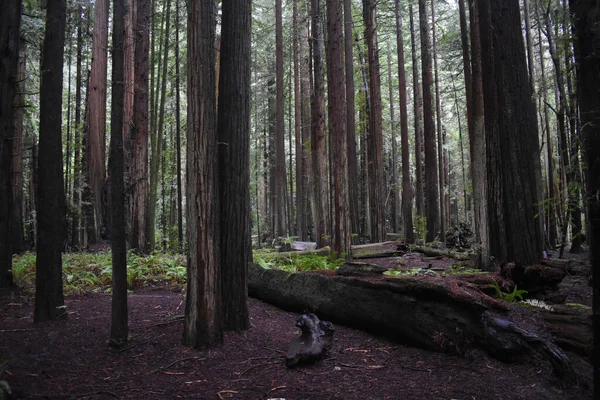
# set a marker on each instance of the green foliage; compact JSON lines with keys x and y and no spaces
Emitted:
{"x":583,"y":306}
{"x":85,"y":272}
{"x":410,"y":272}
{"x":459,"y":269}
{"x":509,"y":297}
{"x":420,"y":227}
{"x":309,"y":262}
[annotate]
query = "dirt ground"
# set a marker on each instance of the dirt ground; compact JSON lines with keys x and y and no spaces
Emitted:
{"x":72,"y":360}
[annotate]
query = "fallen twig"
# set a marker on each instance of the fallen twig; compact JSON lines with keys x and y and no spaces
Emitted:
{"x":222,"y":392}
{"x":176,"y":362}
{"x":256,"y":366}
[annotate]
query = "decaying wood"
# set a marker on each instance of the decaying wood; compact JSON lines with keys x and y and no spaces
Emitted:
{"x":431,"y":252}
{"x":536,"y":279}
{"x":374,"y":250}
{"x":360,"y":269}
{"x":314,"y":342}
{"x":572,"y":267}
{"x":323,"y":251}
{"x":433,"y":312}
{"x":571,"y":327}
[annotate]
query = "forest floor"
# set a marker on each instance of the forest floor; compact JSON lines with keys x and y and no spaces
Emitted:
{"x":71,"y":359}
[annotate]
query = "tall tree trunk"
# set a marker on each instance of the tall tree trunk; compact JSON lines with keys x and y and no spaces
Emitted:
{"x":119,"y":318}
{"x":203,"y":321}
{"x":51,"y":207}
{"x":234,"y":163}
{"x":306,"y":128}
{"x":75,"y":233}
{"x":418,"y":102}
{"x":407,"y":201}
{"x":156,"y":140}
{"x":477,"y":142}
{"x":431,"y":172}
{"x":10,"y":22}
{"x":17,"y":229}
{"x":129,"y":93}
{"x":301,"y":230}
{"x":553,"y":193}
{"x":178,"y":133}
{"x":341,"y":232}
{"x":96,"y":141}
{"x":318,"y":142}
{"x":440,"y":146}
{"x":395,"y":196}
{"x":587,"y":54}
{"x":351,"y":121}
{"x":375,"y":138}
{"x":516,"y":129}
{"x":280,"y":175}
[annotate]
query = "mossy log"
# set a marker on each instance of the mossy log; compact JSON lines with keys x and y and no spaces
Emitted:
{"x":436,"y":313}
{"x":571,"y":327}
{"x":431,"y":252}
{"x":375,"y":250}
{"x":571,"y":267}
{"x":286,"y":255}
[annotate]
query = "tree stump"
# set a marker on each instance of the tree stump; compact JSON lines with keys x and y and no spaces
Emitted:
{"x":314,"y":342}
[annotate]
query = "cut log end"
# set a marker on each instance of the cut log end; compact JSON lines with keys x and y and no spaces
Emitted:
{"x":314,"y":342}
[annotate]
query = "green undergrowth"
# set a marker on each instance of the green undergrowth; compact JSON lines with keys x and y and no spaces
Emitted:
{"x":92,"y":272}
{"x":453,"y":270}
{"x":310,"y":262}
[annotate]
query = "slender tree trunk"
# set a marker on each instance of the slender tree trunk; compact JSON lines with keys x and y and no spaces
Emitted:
{"x":119,"y":318}
{"x":395,"y":196}
{"x":306,"y":129}
{"x":440,"y":146}
{"x":341,"y":232}
{"x":407,"y":202}
{"x":431,"y":172}
{"x":96,"y":132}
{"x":203,"y":321}
{"x":51,"y":207}
{"x":129,"y":89}
{"x":139,"y":159}
{"x":75,"y":236}
{"x":375,"y":138}
{"x":10,"y":22}
{"x":477,"y":142}
{"x":156,"y":140}
{"x":350,"y":121}
{"x":551,"y":164}
{"x":318,"y":142}
{"x":301,"y":231}
{"x":587,"y":55}
{"x":418,"y":102}
{"x":234,"y":163}
{"x":17,"y":229}
{"x":178,"y":134}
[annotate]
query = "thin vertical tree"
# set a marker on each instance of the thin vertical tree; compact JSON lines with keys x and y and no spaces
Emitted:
{"x":75,"y":220}
{"x":439,"y":128}
{"x":418,"y":116}
{"x":375,"y":137}
{"x":17,"y":229}
{"x":351,"y":120}
{"x":394,"y":191}
{"x":51,"y":204}
{"x":341,"y":233}
{"x":586,"y":14}
{"x":139,"y":145}
{"x":407,"y":192}
{"x":431,"y":173}
{"x":233,"y":134}
{"x":96,"y":141}
{"x":178,"y":132}
{"x":118,"y":326}
{"x":10,"y":22}
{"x":203,"y":320}
{"x":318,"y":142}
{"x":301,"y":229}
{"x":279,"y":213}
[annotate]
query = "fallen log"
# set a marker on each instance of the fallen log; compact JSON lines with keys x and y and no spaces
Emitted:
{"x":436,"y":313}
{"x":352,"y":268}
{"x":536,"y":279}
{"x":571,"y":327}
{"x":286,"y":255}
{"x":571,"y":267}
{"x":314,"y":342}
{"x":375,"y":250}
{"x":431,"y":252}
